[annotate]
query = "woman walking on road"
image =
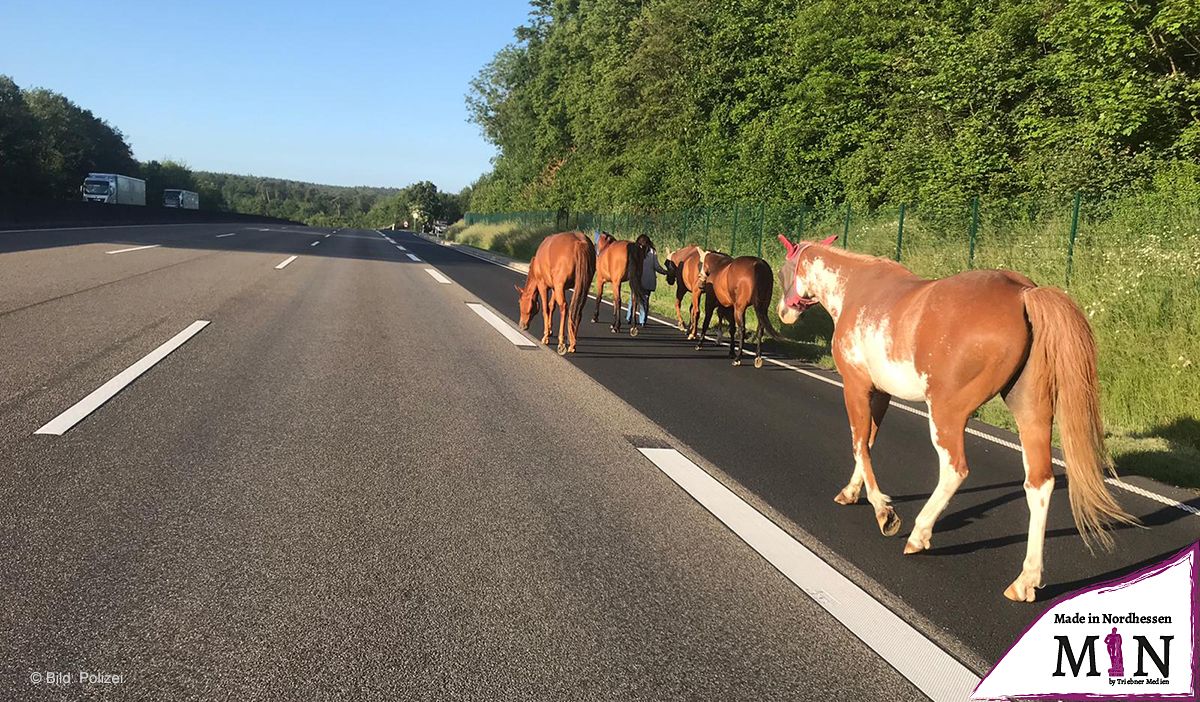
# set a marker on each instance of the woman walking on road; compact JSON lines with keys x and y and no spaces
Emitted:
{"x":649,"y":279}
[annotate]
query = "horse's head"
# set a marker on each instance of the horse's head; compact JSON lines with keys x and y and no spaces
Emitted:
{"x":796,"y":296}
{"x":529,"y":302}
{"x":603,"y":241}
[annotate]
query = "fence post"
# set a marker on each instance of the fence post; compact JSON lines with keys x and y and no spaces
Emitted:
{"x":762,"y":215}
{"x":707,"y":222}
{"x":1074,"y":232}
{"x":846,"y":228}
{"x":900,"y":234}
{"x":974,"y":230}
{"x":687,"y":219}
{"x":733,"y":232}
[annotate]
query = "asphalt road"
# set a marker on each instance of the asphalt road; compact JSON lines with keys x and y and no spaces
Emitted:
{"x":349,"y":486}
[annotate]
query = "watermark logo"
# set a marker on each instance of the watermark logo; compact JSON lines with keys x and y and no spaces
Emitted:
{"x":1133,"y":638}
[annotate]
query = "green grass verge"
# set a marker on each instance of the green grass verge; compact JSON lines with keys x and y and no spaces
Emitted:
{"x":1141,"y":295}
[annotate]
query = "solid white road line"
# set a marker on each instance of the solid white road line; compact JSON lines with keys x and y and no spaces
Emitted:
{"x":222,"y":236}
{"x":286,"y":261}
{"x":932,"y":670}
{"x":413,"y":258}
{"x":437,"y":275}
{"x":136,"y":248}
{"x":1115,"y":482}
{"x":498,"y":323}
{"x":315,"y":242}
{"x":105,"y":392}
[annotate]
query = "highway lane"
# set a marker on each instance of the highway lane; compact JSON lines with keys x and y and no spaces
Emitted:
{"x":782,"y":441}
{"x":348,"y":485}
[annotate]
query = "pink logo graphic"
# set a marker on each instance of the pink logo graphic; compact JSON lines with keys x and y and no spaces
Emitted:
{"x":1147,"y":622}
{"x":1117,"y":667}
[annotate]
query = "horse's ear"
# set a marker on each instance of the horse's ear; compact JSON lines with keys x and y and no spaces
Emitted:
{"x":787,"y":245}
{"x":829,"y":240}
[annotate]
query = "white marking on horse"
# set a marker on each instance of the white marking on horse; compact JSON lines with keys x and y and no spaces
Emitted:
{"x":868,"y":346}
{"x":826,"y":284}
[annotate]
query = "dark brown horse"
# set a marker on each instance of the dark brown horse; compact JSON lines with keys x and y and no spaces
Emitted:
{"x":955,"y":343}
{"x":735,"y":285}
{"x":618,"y":261}
{"x":561,"y":260}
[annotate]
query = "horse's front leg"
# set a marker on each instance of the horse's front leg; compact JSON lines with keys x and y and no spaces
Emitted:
{"x":560,"y":294}
{"x":545,"y":294}
{"x":879,"y":404}
{"x":946,"y":429}
{"x":857,"y":393}
{"x":680,"y":291}
{"x":709,"y":306}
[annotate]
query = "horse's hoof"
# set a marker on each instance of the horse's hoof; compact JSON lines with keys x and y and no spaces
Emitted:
{"x":633,"y":331}
{"x":699,"y":346}
{"x":570,"y":349}
{"x":889,"y":523}
{"x":841,"y":498}
{"x":737,"y":362}
{"x":758,"y":362}
{"x":911,"y":547}
{"x":562,"y":349}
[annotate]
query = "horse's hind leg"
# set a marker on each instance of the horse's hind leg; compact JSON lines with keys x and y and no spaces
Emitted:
{"x":879,"y":403}
{"x":946,"y":430}
{"x":858,"y":411}
{"x":599,"y":298}
{"x":737,"y":335}
{"x":1034,"y":413}
{"x":616,"y":325}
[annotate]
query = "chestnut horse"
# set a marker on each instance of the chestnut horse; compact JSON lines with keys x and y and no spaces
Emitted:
{"x":735,"y":285}
{"x":955,"y":343}
{"x":683,"y":271}
{"x":561,"y":260}
{"x":617,"y":261}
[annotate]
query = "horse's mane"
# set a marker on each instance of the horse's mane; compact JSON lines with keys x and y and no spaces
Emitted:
{"x":863,"y":258}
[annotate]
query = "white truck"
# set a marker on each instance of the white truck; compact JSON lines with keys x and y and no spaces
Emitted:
{"x":113,"y":189}
{"x":185,"y":199}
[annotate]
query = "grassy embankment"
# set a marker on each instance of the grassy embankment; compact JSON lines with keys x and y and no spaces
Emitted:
{"x":1136,"y":275}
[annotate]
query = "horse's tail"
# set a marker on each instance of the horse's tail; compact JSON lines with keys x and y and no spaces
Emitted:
{"x":1063,"y":358}
{"x":764,"y":285}
{"x":634,"y":261}
{"x":585,"y":270}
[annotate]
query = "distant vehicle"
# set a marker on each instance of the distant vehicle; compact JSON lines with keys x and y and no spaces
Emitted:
{"x":113,"y":189}
{"x":186,"y":199}
{"x":440,"y":227}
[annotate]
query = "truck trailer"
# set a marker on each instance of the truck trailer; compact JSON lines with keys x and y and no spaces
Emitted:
{"x":113,"y":189}
{"x":185,"y":199}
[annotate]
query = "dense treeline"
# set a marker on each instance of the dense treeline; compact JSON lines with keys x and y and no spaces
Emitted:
{"x":48,"y":144}
{"x":605,"y":104}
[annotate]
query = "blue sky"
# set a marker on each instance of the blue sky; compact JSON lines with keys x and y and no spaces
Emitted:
{"x":346,"y":93}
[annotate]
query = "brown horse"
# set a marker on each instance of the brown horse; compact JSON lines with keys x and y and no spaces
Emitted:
{"x":561,"y":260}
{"x":618,"y":261}
{"x":735,"y":285}
{"x":683,"y":271}
{"x":955,"y":343}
